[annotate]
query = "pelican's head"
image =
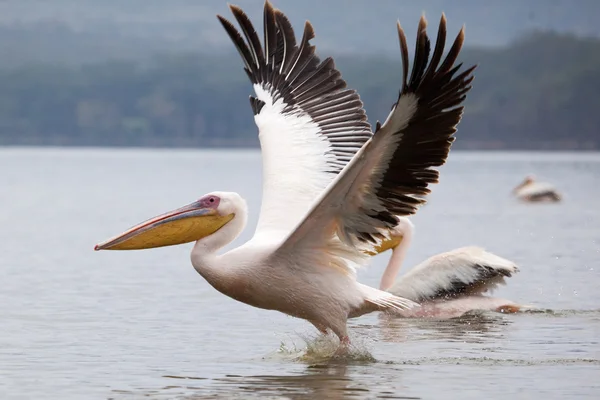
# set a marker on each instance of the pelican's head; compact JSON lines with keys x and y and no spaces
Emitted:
{"x":529,"y":179}
{"x":189,"y":223}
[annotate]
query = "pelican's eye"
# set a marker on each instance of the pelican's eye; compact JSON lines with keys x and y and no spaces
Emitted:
{"x":210,"y":201}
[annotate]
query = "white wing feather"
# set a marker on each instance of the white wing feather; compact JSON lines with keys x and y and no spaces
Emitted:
{"x":463,"y":271}
{"x":358,"y":208}
{"x":309,"y":124}
{"x":294,"y":158}
{"x":312,"y":130}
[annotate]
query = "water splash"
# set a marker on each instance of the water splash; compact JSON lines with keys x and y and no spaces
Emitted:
{"x":322,"y":349}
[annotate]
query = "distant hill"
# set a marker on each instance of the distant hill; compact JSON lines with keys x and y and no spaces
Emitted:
{"x":84,"y":31}
{"x":540,"y":92}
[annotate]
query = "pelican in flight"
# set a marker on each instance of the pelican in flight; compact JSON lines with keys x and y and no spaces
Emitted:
{"x":332,"y":187}
{"x":531,"y":191}
{"x":446,"y":285}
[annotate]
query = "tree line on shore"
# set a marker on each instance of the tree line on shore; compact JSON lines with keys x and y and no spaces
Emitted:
{"x":540,"y":92}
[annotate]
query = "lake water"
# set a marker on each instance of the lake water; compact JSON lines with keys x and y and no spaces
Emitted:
{"x":79,"y":324}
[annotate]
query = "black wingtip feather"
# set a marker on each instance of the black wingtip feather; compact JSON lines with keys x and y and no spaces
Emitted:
{"x":440,"y":43}
{"x":460,"y":286}
{"x":294,"y":74}
{"x":439,"y":88}
{"x":270,"y":33}
{"x":258,"y":59}
{"x":256,"y":105}
{"x":404,"y":54}
{"x":421,"y":54}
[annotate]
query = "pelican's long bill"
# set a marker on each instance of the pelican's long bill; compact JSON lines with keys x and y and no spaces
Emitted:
{"x":386,"y":245}
{"x":183,"y":225}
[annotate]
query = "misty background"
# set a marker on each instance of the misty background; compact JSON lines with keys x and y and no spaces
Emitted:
{"x":164,"y":73}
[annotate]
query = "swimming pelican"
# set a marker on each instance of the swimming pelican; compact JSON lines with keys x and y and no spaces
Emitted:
{"x":449,"y":284}
{"x":531,"y":191}
{"x":331,"y":187}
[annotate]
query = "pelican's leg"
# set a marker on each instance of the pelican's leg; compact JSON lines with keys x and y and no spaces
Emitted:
{"x":320,"y":327}
{"x":342,"y":334}
{"x":344,"y":348}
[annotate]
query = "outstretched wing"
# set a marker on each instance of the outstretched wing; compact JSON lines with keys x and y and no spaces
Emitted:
{"x":310,"y":125}
{"x":359,"y":207}
{"x":460,"y":272}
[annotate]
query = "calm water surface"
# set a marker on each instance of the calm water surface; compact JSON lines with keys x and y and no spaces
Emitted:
{"x":78,"y":324}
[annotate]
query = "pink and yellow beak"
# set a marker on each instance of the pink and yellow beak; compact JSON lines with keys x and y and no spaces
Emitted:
{"x":183,"y":225}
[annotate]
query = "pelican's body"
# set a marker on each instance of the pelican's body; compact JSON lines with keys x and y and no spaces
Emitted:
{"x":449,"y":284}
{"x":331,"y":186}
{"x":254,"y":275}
{"x":531,"y":191}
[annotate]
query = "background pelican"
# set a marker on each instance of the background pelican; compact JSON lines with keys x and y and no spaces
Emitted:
{"x":449,"y":284}
{"x":532,"y":191}
{"x":331,"y":188}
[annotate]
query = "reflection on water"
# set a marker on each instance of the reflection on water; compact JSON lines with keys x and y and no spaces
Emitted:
{"x":360,"y":375}
{"x":475,"y":327}
{"x":352,"y":378}
{"x":323,"y":381}
{"x":83,"y":325}
{"x":563,"y":313}
{"x":319,"y":381}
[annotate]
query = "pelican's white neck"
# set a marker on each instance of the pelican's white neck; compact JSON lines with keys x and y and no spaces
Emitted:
{"x":204,"y":254}
{"x":406,"y":229}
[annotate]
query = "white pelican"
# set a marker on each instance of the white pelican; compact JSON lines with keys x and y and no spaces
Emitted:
{"x":449,"y":284}
{"x":531,"y":191}
{"x":331,"y":187}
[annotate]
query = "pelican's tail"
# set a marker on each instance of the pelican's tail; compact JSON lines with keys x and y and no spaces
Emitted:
{"x":384,"y":301}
